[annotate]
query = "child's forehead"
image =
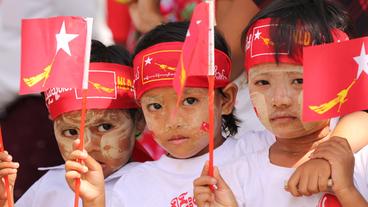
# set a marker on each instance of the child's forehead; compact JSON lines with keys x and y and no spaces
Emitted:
{"x":168,"y":91}
{"x":274,"y":69}
{"x":93,"y":115}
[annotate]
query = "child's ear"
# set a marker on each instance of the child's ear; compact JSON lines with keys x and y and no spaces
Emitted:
{"x":140,"y":122}
{"x":229,"y":99}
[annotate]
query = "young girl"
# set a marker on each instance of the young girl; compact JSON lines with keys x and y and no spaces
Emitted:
{"x":274,"y":42}
{"x":112,"y":122}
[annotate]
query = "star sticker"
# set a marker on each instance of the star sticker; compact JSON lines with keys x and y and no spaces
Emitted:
{"x":63,"y":39}
{"x":257,"y":35}
{"x":362,"y":61}
{"x":148,"y":61}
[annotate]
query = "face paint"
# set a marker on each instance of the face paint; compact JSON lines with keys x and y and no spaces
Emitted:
{"x":276,"y":92}
{"x":180,"y":135}
{"x":109,"y":136}
{"x":259,"y":101}
{"x":205,"y":126}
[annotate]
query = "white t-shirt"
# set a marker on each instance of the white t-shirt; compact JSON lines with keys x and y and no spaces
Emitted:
{"x":51,"y":190}
{"x":169,"y":182}
{"x":255,"y":181}
{"x":244,"y":109}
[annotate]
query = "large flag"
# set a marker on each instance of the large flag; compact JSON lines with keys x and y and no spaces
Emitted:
{"x":194,"y":56}
{"x":335,"y":79}
{"x":53,"y":53}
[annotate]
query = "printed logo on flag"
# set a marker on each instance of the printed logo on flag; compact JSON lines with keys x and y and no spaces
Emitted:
{"x":53,"y":53}
{"x":102,"y":84}
{"x":159,"y":65}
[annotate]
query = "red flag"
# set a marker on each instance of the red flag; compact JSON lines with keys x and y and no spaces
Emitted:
{"x":194,"y":56}
{"x":335,"y":79}
{"x":53,"y":53}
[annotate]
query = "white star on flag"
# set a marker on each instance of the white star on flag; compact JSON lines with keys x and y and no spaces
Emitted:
{"x":362,"y":61}
{"x":198,"y":21}
{"x":148,"y":61}
{"x":188,"y":33}
{"x":63,"y":39}
{"x":257,"y":35}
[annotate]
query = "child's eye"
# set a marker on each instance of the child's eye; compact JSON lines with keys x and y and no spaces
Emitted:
{"x":261,"y":83}
{"x":154,"y":107}
{"x":104,"y":127}
{"x":298,"y":81}
{"x":190,"y":101}
{"x":70,"y":132}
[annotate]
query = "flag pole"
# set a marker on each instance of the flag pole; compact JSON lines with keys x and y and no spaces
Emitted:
{"x":6,"y":178}
{"x":84,"y":100}
{"x":211,"y":81}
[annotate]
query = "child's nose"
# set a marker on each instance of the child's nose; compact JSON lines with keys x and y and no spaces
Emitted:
{"x":281,"y":97}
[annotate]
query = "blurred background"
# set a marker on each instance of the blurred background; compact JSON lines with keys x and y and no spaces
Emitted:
{"x":27,"y":131}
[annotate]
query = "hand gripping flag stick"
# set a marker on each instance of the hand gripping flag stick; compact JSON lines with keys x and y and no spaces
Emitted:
{"x":84,"y":102}
{"x":6,"y":178}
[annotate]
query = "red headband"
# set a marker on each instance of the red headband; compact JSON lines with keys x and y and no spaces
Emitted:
{"x":155,"y":67}
{"x":110,"y":87}
{"x":259,"y":47}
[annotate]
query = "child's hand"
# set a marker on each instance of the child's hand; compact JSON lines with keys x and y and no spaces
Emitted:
{"x":7,"y":168}
{"x":222,"y":194}
{"x":90,"y":174}
{"x":340,"y":156}
{"x":309,"y":178}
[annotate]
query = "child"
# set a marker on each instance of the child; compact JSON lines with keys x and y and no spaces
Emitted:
{"x":274,"y":42}
{"x":112,"y":120}
{"x":180,"y":130}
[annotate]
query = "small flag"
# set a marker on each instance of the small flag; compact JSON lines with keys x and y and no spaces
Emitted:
{"x":194,"y":57}
{"x":335,"y":79}
{"x":53,"y":53}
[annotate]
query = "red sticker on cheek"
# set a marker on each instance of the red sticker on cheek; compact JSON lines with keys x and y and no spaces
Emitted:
{"x":205,"y":126}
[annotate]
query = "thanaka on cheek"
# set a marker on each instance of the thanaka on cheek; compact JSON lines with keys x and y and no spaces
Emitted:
{"x":259,"y":103}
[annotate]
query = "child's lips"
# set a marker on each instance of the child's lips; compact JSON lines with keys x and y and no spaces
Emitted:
{"x":178,"y":139}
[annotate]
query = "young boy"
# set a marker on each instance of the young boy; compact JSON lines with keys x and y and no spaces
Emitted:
{"x":274,"y":42}
{"x":112,"y":121}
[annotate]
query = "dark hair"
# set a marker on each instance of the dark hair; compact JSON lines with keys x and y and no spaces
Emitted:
{"x":316,"y":17}
{"x":176,"y":32}
{"x":111,"y":54}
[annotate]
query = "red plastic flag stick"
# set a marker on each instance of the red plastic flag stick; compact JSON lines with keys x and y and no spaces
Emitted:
{"x":211,"y":93}
{"x":6,"y":178}
{"x":81,"y":143}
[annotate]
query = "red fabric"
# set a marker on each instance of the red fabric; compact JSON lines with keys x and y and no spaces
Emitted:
{"x":156,"y":66}
{"x":110,"y":87}
{"x":140,"y":154}
{"x":118,"y":19}
{"x":194,"y":57}
{"x":338,"y":71}
{"x":45,"y":62}
{"x":150,"y":145}
{"x":329,"y":200}
{"x":259,"y":46}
